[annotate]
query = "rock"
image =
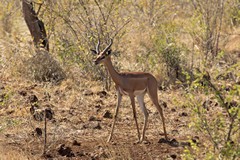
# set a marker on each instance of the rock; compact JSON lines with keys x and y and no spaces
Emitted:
{"x":164,"y":104}
{"x":2,"y":96}
{"x":107,"y":114}
{"x":47,"y":156}
{"x":92,"y":118}
{"x":206,"y":104}
{"x":184,"y":106}
{"x":22,"y":93}
{"x":232,"y":104}
{"x":174,"y":143}
{"x":195,"y":139}
{"x":75,"y":120}
{"x":173,"y":110}
{"x":38,"y":131}
{"x":72,"y":111}
{"x":99,"y":101}
{"x":47,"y":96}
{"x":65,"y":151}
{"x":31,"y":87}
{"x":176,"y":120}
{"x":98,"y":108}
{"x":102,"y":94}
{"x":163,"y":140}
{"x":34,"y":108}
{"x":49,"y":113}
{"x":57,"y":92}
{"x":10,"y":112}
{"x":96,"y":125}
{"x":38,"y":116}
{"x":173,"y":156}
{"x":33,"y":99}
{"x":76,"y":143}
{"x":92,"y":125}
{"x":185,"y":144}
{"x":8,"y":135}
{"x":80,"y":154}
{"x":231,"y":142}
{"x":175,"y":131}
{"x":87,"y":93}
{"x":228,"y":88}
{"x":147,"y":142}
{"x":183,"y":114}
{"x":2,"y":87}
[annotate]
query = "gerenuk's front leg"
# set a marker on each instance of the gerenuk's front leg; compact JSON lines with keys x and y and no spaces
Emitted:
{"x":119,"y":99}
{"x":134,"y":115}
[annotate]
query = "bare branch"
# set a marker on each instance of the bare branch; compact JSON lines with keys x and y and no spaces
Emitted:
{"x":117,"y":32}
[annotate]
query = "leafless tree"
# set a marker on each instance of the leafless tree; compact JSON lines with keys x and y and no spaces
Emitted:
{"x":211,"y":13}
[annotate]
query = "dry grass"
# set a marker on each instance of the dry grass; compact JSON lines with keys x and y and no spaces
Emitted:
{"x":69,"y":98}
{"x":77,"y":99}
{"x":8,"y":153}
{"x":74,"y":102}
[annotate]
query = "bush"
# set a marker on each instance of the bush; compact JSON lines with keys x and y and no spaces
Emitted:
{"x":215,"y":115}
{"x":170,"y":54}
{"x":43,"y":67}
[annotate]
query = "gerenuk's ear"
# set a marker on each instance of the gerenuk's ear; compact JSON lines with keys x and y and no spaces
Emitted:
{"x":94,"y":51}
{"x":109,"y":52}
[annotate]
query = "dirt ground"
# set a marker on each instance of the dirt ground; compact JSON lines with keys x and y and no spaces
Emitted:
{"x":81,"y":123}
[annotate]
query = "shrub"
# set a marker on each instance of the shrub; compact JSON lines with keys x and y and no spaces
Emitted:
{"x":215,"y":115}
{"x":44,"y":68}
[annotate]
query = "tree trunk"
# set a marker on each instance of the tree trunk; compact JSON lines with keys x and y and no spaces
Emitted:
{"x":35,"y":26}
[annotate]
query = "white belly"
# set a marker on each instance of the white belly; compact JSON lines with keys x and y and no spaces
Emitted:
{"x":136,"y":93}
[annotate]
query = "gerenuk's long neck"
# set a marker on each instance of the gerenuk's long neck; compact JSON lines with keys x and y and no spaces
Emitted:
{"x":114,"y":74}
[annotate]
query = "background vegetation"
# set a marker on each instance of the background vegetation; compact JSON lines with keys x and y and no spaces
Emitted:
{"x":191,"y":46}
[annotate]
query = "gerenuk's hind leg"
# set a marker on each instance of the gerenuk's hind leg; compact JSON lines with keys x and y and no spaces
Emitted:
{"x":140,"y":99}
{"x":154,"y":97}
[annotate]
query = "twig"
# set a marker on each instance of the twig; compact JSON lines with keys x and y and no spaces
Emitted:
{"x":39,"y":8}
{"x":231,"y":125}
{"x":100,"y":9}
{"x":45,"y":133}
{"x":205,"y":124}
{"x":116,"y":33}
{"x":225,"y":105}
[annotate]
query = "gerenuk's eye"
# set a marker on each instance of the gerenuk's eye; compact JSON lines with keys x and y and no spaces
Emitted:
{"x":102,"y":57}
